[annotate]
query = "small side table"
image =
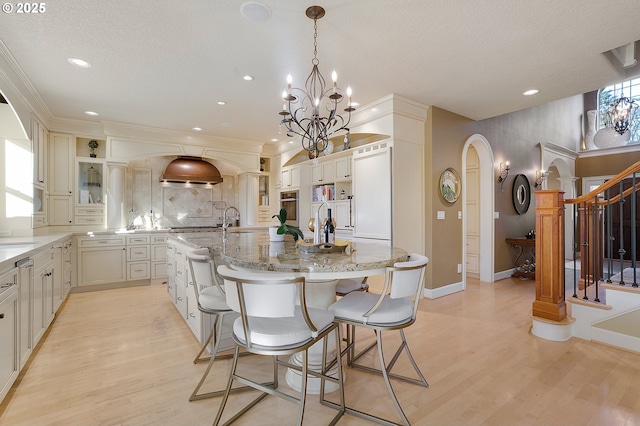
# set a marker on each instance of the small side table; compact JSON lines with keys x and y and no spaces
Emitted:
{"x":526,"y":268}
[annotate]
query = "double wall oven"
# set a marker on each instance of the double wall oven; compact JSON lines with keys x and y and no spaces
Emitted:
{"x":289,"y":202}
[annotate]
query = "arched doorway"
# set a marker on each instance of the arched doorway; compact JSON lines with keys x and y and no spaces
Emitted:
{"x":482,"y":212}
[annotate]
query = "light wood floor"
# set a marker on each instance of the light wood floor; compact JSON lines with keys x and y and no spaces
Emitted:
{"x":123,"y":357}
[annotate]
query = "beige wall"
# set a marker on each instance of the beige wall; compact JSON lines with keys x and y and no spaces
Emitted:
{"x":446,"y":135}
{"x":513,"y":137}
{"x":605,"y":166}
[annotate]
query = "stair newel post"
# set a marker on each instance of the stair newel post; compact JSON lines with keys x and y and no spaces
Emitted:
{"x":550,"y":299}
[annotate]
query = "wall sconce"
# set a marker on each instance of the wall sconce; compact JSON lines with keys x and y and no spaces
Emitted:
{"x":541,"y":176}
{"x":504,"y":172}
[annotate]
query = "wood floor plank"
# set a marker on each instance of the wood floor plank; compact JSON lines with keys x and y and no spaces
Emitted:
{"x":124,"y":357}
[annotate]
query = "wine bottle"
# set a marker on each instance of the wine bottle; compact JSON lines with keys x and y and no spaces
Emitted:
{"x":330,"y":232}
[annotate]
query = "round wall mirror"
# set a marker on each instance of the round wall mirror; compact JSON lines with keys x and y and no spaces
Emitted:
{"x":521,"y":193}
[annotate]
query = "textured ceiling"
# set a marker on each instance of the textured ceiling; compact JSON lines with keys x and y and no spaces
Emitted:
{"x":165,"y":64}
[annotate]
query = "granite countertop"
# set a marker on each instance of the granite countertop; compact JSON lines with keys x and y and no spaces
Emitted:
{"x":253,"y":250}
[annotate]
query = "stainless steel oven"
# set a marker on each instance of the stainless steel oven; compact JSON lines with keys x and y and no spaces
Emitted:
{"x":289,"y":202}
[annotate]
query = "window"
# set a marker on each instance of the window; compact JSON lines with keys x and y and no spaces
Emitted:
{"x":630,"y":89}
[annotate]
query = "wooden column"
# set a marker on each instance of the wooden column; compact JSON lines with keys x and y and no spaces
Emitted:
{"x":549,"y":303}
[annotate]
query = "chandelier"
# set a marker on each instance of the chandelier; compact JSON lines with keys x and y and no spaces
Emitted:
{"x":621,"y":112}
{"x":303,"y":108}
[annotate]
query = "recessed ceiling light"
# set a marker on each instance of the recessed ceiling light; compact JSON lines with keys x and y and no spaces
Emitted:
{"x":248,"y":77}
{"x":222,"y":103}
{"x":355,"y":104}
{"x":91,"y":113}
{"x":197,"y":129}
{"x":80,"y":63}
{"x":274,"y":140}
{"x":254,"y":11}
{"x":530,"y":92}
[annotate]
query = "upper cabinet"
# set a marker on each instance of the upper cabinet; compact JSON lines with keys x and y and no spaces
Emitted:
{"x":322,"y":172}
{"x":61,"y":153}
{"x":343,"y":169}
{"x":39,"y":138}
{"x":290,"y":177}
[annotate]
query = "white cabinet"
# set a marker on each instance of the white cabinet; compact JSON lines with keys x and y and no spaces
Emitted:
{"x":60,"y":179}
{"x":158,"y":258}
{"x":60,"y":210}
{"x":9,"y":319}
{"x":322,"y":172}
{"x":372,"y":189}
{"x":90,"y":191}
{"x":182,"y":293}
{"x":67,"y":263}
{"x":39,"y":136}
{"x":101,"y":260}
{"x":61,"y":170}
{"x":25,"y":299}
{"x":342,"y":212}
{"x":138,"y":257}
{"x":290,"y":177}
{"x":342,"y":170}
{"x":42,"y":294}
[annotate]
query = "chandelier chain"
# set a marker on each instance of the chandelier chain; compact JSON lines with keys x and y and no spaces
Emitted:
{"x":315,"y":61}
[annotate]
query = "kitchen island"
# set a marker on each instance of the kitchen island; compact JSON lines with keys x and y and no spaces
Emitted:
{"x":253,"y":251}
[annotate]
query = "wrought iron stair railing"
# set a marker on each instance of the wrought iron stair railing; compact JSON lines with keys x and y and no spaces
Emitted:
{"x":605,"y":234}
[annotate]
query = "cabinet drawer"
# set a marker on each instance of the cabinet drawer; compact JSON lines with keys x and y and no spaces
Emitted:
{"x":89,"y":220}
{"x":101,"y":241}
{"x":38,"y":221}
{"x":138,"y":239}
{"x":138,"y":271}
{"x":90,"y":211}
{"x":158,"y":239}
{"x":137,"y":253}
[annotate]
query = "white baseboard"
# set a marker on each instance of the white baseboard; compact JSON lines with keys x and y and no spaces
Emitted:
{"x":503,"y":274}
{"x":443,"y":291}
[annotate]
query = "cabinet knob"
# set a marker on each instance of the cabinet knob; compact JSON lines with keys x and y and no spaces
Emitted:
{"x":1,"y":316}
{"x":192,"y":315}
{"x":180,"y":299}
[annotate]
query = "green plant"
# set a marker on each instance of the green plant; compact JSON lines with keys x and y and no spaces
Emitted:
{"x":287,"y":229}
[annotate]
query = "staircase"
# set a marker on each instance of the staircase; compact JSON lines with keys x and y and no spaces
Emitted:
{"x":614,"y":324}
{"x":604,"y":307}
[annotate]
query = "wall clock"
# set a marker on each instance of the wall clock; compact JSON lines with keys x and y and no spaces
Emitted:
{"x":521,"y":194}
{"x":450,"y":185}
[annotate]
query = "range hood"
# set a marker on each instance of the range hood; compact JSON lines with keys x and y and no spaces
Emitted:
{"x":191,"y":170}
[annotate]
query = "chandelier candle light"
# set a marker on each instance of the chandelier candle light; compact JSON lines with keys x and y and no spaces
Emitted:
{"x":301,"y":114}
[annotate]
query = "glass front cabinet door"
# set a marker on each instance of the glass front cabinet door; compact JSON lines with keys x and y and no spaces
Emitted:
{"x":91,"y":191}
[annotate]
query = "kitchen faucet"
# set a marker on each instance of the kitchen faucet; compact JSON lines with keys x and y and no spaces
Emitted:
{"x":225,"y":220}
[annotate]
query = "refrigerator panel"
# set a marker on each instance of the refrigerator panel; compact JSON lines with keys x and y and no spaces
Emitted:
{"x":372,"y":189}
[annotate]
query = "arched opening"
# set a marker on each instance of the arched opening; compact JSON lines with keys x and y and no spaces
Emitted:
{"x":480,"y":214}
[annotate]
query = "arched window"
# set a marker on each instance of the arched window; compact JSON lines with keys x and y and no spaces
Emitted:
{"x":629,"y":89}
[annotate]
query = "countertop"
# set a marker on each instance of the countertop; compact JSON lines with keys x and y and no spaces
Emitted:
{"x":253,"y":250}
{"x":13,"y":249}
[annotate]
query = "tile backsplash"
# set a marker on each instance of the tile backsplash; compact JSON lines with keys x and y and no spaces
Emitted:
{"x":175,"y":204}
